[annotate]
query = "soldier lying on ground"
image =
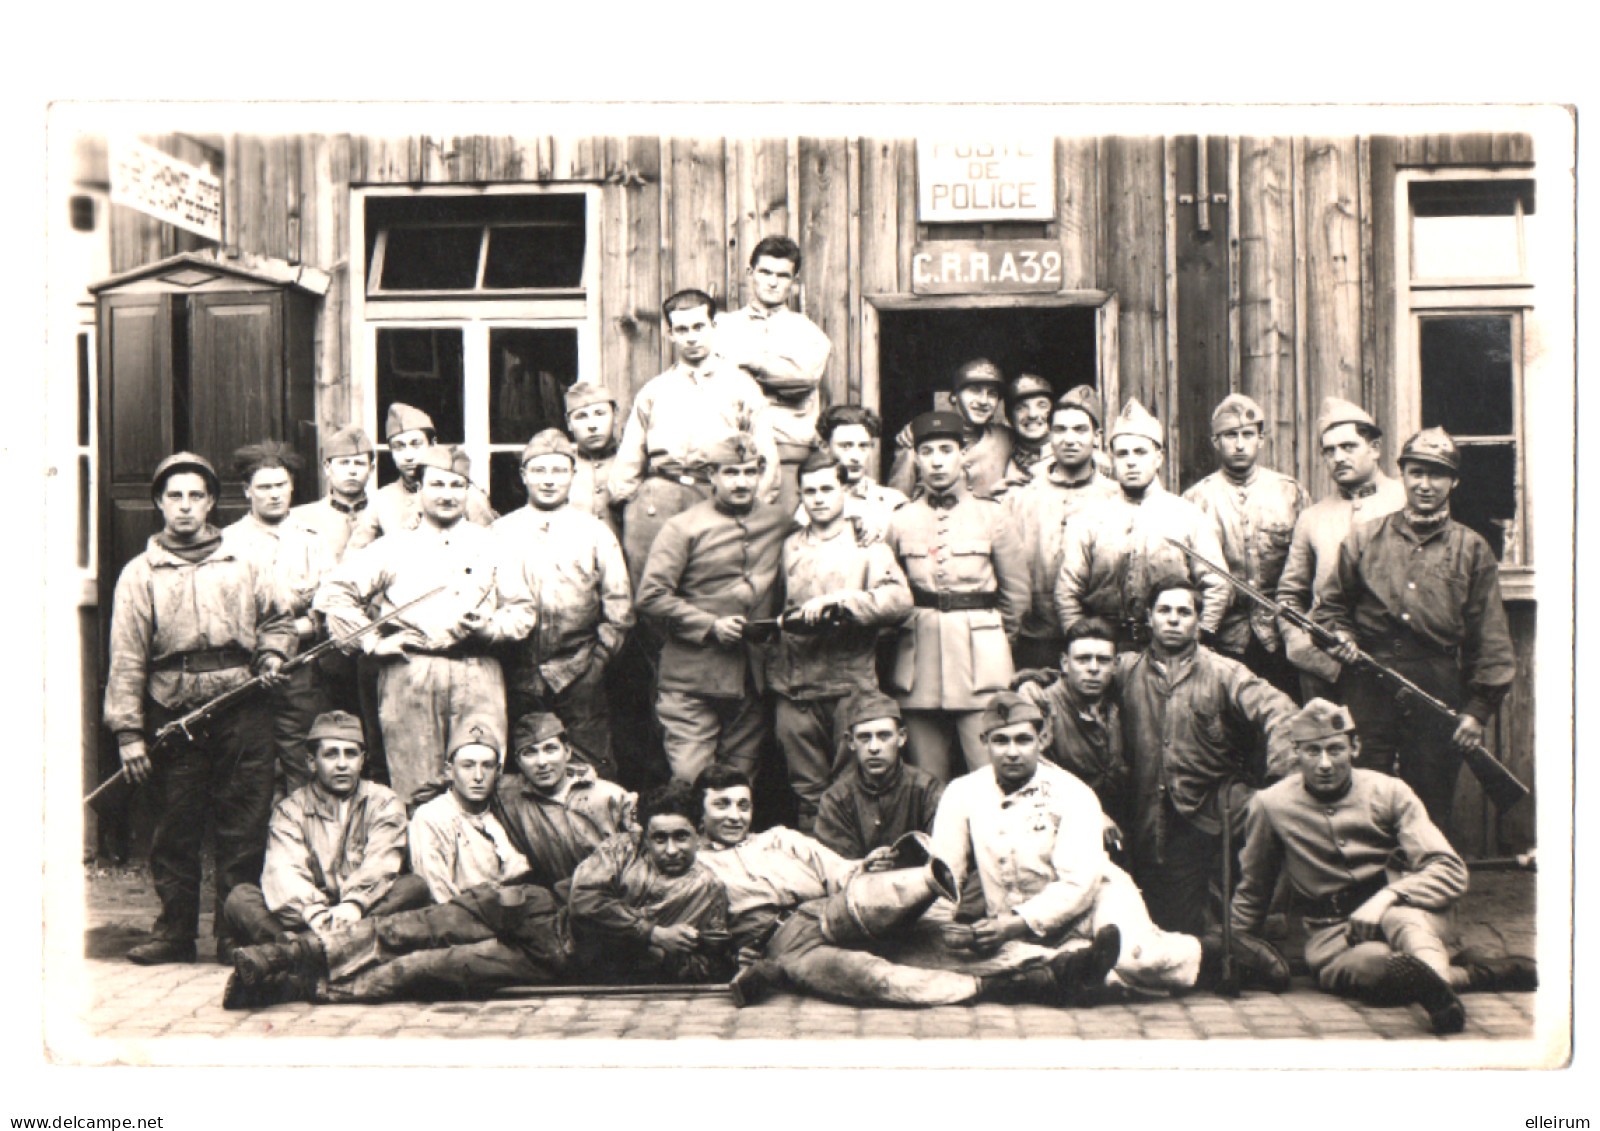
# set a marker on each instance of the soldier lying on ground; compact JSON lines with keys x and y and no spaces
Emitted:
{"x":1377,"y":878}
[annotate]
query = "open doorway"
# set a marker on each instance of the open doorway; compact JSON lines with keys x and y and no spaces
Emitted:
{"x":921,"y":342}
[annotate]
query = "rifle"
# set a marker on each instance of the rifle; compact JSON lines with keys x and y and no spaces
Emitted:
{"x":104,"y":796}
{"x":1228,"y":979}
{"x":1499,"y":784}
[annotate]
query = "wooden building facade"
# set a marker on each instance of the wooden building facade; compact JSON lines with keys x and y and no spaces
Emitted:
{"x":477,"y":275}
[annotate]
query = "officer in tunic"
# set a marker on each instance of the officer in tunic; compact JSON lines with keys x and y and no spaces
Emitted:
{"x":985,"y":439}
{"x":1117,"y":548}
{"x":969,"y":589}
{"x":1351,"y":447}
{"x":409,"y":433}
{"x":1420,"y":593}
{"x":1255,"y":509}
{"x":192,"y":618}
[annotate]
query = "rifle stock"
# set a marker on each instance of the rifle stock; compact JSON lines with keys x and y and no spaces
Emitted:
{"x":1499,"y":784}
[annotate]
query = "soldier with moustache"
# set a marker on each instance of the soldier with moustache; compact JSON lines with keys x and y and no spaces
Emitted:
{"x":409,"y":432}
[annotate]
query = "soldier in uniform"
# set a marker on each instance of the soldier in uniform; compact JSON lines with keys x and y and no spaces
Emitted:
{"x":192,"y":618}
{"x":438,"y":672}
{"x":1376,"y":879}
{"x":583,"y":607}
{"x":1030,"y":401}
{"x":347,"y":464}
{"x":969,"y":585}
{"x":409,"y":432}
{"x":1118,"y":547}
{"x":842,"y":581}
{"x":661,"y":468}
{"x":985,"y":439}
{"x":849,"y":432}
{"x":1420,"y":593}
{"x":1062,"y":487}
{"x":592,"y":423}
{"x":1351,"y":447}
{"x":879,"y":797}
{"x":712,"y":570}
{"x":1255,"y":509}
{"x":296,"y":557}
{"x":783,"y":351}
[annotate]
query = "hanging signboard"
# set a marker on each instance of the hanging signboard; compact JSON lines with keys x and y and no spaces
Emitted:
{"x":980,"y":267}
{"x":983,"y":181}
{"x":176,"y":193}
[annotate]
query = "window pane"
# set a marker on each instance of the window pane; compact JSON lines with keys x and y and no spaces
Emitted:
{"x":424,"y":369}
{"x":505,"y":481}
{"x":1468,"y":376}
{"x":1467,"y":229}
{"x":1486,"y":497}
{"x":542,"y":256}
{"x":529,"y":374}
{"x":431,"y":259}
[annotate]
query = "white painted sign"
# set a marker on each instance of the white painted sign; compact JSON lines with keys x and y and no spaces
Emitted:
{"x":980,"y":181}
{"x":168,"y":189}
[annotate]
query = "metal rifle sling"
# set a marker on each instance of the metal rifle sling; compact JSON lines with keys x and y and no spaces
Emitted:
{"x":1500,"y":785}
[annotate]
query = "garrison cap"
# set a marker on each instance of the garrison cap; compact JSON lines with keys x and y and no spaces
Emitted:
{"x":586,"y":393}
{"x":445,"y":458}
{"x":1027,"y":385}
{"x":404,"y":418}
{"x":1235,"y":411}
{"x":533,"y":728}
{"x":184,"y":461}
{"x":1336,"y":411}
{"x":733,"y":448}
{"x":816,"y":460}
{"x":1432,"y":445}
{"x":1084,"y":399}
{"x":864,"y":706}
{"x":474,"y":733}
{"x":1135,"y":420}
{"x":978,"y":371}
{"x":1320,"y":719}
{"x":938,"y":425}
{"x":550,"y":442}
{"x":337,"y":724}
{"x":351,"y":440}
{"x":1007,"y":708}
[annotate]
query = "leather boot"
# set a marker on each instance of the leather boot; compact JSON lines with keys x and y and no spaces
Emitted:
{"x":1513,"y":973}
{"x":1035,"y":986}
{"x":274,"y":990}
{"x":1257,"y":964}
{"x":1084,"y":970}
{"x":1406,"y":979}
{"x":256,"y":965}
{"x":158,"y":952}
{"x":756,"y":982}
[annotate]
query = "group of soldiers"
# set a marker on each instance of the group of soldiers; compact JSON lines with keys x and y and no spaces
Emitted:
{"x":1021,"y":716}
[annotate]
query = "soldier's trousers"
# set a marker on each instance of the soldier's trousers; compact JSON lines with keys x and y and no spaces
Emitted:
{"x":583,"y":708}
{"x":1406,"y":739}
{"x":423,"y":701}
{"x":1177,"y":882}
{"x":295,"y":705}
{"x":932,"y":737}
{"x":1351,"y":970}
{"x":488,"y":938}
{"x":225,"y":775}
{"x":807,"y":735}
{"x":858,"y":976}
{"x":702,"y":729}
{"x":251,"y":922}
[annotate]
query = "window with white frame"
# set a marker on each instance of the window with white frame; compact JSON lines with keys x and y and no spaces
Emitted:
{"x":1465,"y":293}
{"x":480,"y":307}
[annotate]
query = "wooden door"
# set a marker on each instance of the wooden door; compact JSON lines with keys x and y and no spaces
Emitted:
{"x":235,"y":386}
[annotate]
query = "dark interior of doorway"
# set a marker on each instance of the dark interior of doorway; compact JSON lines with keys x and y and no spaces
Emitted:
{"x":920,"y":350}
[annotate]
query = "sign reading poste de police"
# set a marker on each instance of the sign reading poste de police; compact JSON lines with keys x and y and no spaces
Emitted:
{"x":176,"y":193}
{"x":976,"y":267}
{"x":981,"y":181}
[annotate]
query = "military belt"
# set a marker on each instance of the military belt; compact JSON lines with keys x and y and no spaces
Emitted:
{"x":1343,"y":903}
{"x":954,"y":602}
{"x":203,"y":660}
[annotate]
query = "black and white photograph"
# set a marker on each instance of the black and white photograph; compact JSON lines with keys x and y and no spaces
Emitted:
{"x":589,"y":585}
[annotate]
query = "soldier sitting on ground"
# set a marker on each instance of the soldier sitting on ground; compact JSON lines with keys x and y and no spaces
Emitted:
{"x":1377,"y":878}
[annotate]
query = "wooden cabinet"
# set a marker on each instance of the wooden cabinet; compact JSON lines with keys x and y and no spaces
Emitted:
{"x":197,"y":355}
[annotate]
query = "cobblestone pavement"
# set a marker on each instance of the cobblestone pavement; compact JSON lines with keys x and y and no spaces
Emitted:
{"x":127,"y":1004}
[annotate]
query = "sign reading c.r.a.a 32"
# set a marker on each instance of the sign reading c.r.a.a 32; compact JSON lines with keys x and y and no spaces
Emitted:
{"x":983,"y":181}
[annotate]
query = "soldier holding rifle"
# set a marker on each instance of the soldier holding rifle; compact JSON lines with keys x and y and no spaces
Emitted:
{"x":191,"y":619}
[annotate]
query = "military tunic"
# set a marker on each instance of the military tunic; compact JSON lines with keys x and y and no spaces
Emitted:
{"x":985,"y":456}
{"x":591,"y":487}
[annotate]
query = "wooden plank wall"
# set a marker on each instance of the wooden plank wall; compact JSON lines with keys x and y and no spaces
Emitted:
{"x":1294,"y":304}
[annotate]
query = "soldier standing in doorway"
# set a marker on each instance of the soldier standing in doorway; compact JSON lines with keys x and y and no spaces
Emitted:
{"x":985,"y":440}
